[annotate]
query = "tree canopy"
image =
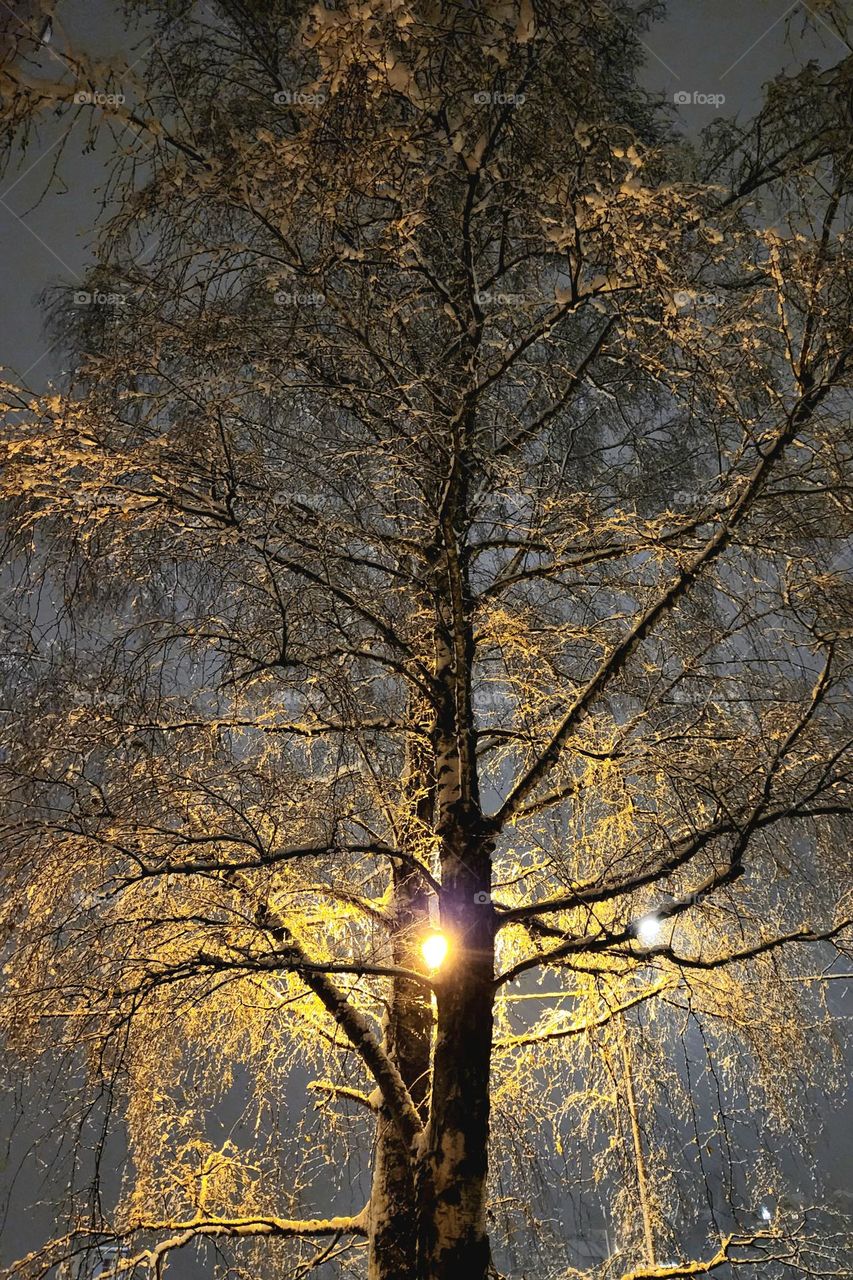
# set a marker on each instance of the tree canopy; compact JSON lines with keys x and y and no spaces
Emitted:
{"x":442,"y":529}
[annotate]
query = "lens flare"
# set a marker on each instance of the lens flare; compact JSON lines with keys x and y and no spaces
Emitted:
{"x":434,"y":950}
{"x":647,"y":931}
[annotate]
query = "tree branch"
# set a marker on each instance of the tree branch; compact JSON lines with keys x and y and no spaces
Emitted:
{"x":805,"y":934}
{"x":723,"y":1257}
{"x":587,"y":1024}
{"x":182,"y":1233}
{"x":685,"y":849}
{"x":617,"y":657}
{"x":343,"y":1091}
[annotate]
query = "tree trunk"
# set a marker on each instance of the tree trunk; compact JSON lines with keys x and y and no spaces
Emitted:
{"x":452,"y":1240}
{"x":392,"y":1242}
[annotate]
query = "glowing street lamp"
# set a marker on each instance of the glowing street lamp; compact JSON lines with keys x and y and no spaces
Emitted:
{"x":647,"y":930}
{"x":434,"y":950}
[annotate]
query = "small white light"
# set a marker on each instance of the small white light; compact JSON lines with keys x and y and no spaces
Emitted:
{"x":647,"y":930}
{"x":434,"y":950}
{"x":765,"y":1214}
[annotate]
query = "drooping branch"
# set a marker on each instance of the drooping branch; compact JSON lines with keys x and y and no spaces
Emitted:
{"x":723,"y":1257}
{"x":272,"y":857}
{"x":587,"y":1024}
{"x":360,"y":1034}
{"x":292,"y":957}
{"x":684,"y":851}
{"x":343,"y":1091}
{"x":177,"y":1234}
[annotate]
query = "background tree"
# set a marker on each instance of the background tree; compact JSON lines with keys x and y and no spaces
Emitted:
{"x":441,"y":527}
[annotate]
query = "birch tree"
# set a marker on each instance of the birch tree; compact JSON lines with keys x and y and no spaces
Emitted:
{"x":428,"y":648}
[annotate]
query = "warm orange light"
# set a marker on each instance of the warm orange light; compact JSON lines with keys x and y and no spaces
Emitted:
{"x":434,"y":950}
